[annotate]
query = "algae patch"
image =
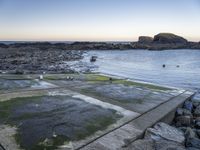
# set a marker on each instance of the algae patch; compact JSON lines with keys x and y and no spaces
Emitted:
{"x":46,"y":122}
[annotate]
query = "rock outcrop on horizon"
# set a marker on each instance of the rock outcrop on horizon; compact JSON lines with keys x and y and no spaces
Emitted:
{"x":164,"y":41}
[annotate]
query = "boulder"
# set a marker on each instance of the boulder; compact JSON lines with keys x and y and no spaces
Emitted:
{"x":188,"y":105}
{"x":166,"y":132}
{"x":146,"y":144}
{"x":169,"y":38}
{"x":189,"y":133}
{"x":197,"y":124}
{"x":198,"y":133}
{"x":168,"y":145}
{"x":195,"y":104}
{"x":183,"y":121}
{"x":197,"y":112}
{"x":145,"y":39}
{"x":183,"y":112}
{"x":193,"y":142}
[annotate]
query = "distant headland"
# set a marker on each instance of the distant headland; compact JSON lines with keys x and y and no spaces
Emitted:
{"x":161,"y":41}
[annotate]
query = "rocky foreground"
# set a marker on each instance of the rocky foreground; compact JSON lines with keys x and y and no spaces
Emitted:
{"x":31,"y":60}
{"x":184,"y":134}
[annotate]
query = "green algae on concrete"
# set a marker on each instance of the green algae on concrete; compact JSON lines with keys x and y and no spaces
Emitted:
{"x":102,"y":78}
{"x":45,"y":122}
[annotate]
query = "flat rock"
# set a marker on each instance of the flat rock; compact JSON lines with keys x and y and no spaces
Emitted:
{"x":166,"y":132}
{"x":168,"y":145}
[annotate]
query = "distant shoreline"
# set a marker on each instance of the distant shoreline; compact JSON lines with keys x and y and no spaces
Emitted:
{"x":162,"y":41}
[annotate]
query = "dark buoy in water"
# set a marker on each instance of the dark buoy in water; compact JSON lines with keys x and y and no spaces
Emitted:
{"x":111,"y":79}
{"x":164,"y":65}
{"x":177,"y":66}
{"x":93,"y":59}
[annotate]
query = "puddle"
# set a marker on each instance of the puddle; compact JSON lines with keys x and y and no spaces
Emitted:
{"x":53,"y":120}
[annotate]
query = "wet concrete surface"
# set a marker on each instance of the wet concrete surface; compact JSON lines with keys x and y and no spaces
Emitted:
{"x":56,"y":118}
{"x":136,"y":99}
{"x":53,"y":117}
{"x":129,"y":95}
{"x":6,"y":84}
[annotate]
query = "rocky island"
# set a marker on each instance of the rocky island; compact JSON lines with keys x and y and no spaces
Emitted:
{"x":164,"y":41}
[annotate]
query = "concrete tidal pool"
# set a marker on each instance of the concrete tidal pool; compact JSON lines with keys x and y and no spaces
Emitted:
{"x":71,"y":110}
{"x":50,"y":121}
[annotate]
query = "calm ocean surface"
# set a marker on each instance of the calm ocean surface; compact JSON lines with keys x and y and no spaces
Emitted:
{"x":147,"y":65}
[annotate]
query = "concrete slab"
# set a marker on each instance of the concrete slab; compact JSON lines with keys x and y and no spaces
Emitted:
{"x":117,"y":111}
{"x":67,"y":115}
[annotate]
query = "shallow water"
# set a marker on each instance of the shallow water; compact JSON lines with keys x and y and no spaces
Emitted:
{"x":147,"y":65}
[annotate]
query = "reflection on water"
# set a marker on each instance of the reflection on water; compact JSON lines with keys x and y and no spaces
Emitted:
{"x":182,"y":66}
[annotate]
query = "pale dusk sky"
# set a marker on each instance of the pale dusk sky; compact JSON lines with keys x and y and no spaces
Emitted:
{"x":97,"y":20}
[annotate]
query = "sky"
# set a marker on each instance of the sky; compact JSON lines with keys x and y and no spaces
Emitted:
{"x":97,"y":20}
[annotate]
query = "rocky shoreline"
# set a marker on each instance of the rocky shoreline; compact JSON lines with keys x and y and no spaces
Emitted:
{"x":183,"y":134}
{"x":35,"y":61}
{"x":46,"y":57}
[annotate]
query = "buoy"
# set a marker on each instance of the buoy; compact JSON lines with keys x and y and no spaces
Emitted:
{"x":164,"y":65}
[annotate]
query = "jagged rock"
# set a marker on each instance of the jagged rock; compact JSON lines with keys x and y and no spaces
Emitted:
{"x":166,"y":132}
{"x":197,"y":112}
{"x":195,"y":104}
{"x":182,"y":111}
{"x":166,"y":38}
{"x":182,"y":129}
{"x":189,"y":133}
{"x":188,"y":105}
{"x":145,"y":39}
{"x":197,"y":124}
{"x":193,"y":142}
{"x":198,"y":133}
{"x":183,"y":121}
